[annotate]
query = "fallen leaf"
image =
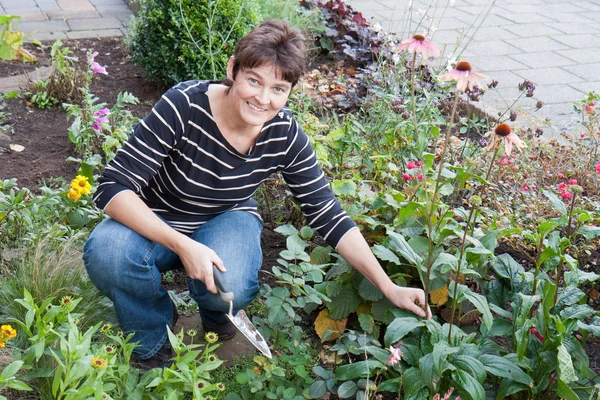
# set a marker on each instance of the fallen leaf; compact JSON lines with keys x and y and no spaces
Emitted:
{"x":325,"y":323}
{"x":16,"y":147}
{"x":593,"y":294}
{"x":439,"y":297}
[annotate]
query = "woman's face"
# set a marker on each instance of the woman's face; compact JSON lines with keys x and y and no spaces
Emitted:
{"x":257,"y":94}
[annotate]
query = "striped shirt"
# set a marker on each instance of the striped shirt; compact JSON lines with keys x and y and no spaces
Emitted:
{"x":180,"y":165}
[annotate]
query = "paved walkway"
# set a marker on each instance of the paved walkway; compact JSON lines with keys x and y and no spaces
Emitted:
{"x":69,"y":19}
{"x":554,"y":43}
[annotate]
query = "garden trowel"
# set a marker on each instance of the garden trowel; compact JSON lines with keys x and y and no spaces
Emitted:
{"x":240,"y":320}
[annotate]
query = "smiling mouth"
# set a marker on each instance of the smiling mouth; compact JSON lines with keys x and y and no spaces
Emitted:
{"x":255,"y":108}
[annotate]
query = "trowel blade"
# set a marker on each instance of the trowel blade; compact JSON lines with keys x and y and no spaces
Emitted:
{"x":243,"y":324}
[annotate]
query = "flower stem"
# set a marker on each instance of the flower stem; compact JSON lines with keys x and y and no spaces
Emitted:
{"x":489,"y":171}
{"x":434,"y":197}
{"x":457,"y":275}
{"x":412,"y":94}
{"x":571,"y":207}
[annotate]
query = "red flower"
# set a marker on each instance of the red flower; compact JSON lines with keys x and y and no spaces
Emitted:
{"x":407,"y":177}
{"x":572,"y":181}
{"x":561,"y":175}
{"x":420,"y":177}
{"x":535,"y":333}
{"x":412,"y":165}
{"x":562,"y":186}
{"x":566,"y":195}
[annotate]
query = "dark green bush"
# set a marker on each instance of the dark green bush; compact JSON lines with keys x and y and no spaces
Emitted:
{"x":178,"y":40}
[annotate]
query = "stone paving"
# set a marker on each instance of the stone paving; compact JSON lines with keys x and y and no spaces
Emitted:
{"x":68,"y":19}
{"x":555,"y":44}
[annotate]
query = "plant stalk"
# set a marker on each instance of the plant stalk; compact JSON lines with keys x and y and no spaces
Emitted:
{"x":457,"y":275}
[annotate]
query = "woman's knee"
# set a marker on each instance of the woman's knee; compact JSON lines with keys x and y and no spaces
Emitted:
{"x":110,"y":247}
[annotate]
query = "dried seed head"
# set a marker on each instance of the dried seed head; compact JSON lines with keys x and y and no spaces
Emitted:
{"x":463,"y":66}
{"x":502,"y":130}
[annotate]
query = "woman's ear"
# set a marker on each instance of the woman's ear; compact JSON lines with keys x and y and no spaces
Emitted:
{"x":230,"y":68}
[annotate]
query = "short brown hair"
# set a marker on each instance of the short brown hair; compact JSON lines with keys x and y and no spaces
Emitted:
{"x":273,"y":42}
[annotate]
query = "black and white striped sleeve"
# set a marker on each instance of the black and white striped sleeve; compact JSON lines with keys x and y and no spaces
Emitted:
{"x":311,"y":190}
{"x":136,"y":163}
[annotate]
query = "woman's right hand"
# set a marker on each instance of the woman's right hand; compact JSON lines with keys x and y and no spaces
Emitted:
{"x":198,"y":260}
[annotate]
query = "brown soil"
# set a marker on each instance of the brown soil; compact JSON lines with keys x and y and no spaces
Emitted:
{"x":43,"y":133}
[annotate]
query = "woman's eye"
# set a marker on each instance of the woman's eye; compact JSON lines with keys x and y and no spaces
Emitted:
{"x":252,"y":80}
{"x":279,"y":90}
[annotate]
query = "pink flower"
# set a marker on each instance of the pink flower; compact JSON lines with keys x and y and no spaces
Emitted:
{"x":446,"y":396}
{"x":562,"y":186}
{"x":101,"y":120}
{"x":503,"y":162}
{"x":572,"y":181}
{"x":396,"y":354}
{"x":91,"y":57}
{"x":533,"y":187}
{"x":418,"y":44}
{"x":598,"y":168}
{"x":561,"y":175}
{"x":96,"y":127}
{"x":407,"y":177}
{"x":537,"y":334}
{"x":104,"y":111}
{"x":525,"y":187}
{"x":98,"y":69}
{"x":514,"y":168}
{"x":588,"y":108}
{"x":566,"y":195}
{"x":503,"y":134}
{"x":412,"y":165}
{"x":464,"y":76}
{"x":420,"y":177}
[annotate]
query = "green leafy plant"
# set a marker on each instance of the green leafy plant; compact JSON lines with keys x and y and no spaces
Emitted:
{"x":11,"y":42}
{"x":178,"y":40}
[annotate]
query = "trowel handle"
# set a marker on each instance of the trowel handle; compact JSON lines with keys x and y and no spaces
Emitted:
{"x":225,"y":294}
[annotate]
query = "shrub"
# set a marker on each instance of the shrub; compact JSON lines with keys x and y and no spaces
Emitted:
{"x":177,"y":40}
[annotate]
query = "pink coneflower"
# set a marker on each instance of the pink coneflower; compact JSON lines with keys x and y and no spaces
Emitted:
{"x":396,"y":354}
{"x":501,"y":134}
{"x":418,"y":44}
{"x":463,"y":75}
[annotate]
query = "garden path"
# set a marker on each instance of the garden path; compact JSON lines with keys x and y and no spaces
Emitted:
{"x":555,"y":44}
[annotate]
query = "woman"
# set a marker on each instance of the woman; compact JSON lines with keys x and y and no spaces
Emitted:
{"x":179,"y":194}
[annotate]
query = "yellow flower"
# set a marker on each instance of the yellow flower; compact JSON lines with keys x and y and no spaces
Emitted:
{"x":66,"y":300}
{"x":211,"y":337}
{"x":1,"y":344}
{"x":98,"y":362}
{"x":74,"y":194}
{"x":8,"y":332}
{"x":81,"y":184}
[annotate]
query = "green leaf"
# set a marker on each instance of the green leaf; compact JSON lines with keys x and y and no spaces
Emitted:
{"x":343,"y":187}
{"x":480,"y":302}
{"x":579,"y":312}
{"x":286,"y":230}
{"x":508,"y":388}
{"x":440,"y":354}
{"x":320,"y":255}
{"x":344,"y":303}
{"x":556,"y":202}
{"x":412,"y":381}
{"x":306,"y":232}
{"x":399,"y":328}
{"x":589,"y":232}
{"x":501,"y":367}
{"x":368,"y":291}
{"x":11,"y":369}
{"x":360,"y":369}
{"x":467,"y":386}
{"x":566,"y":371}
{"x":347,"y":389}
{"x":565,"y":392}
{"x":399,"y":245}
{"x":471,"y":365}
{"x":385,"y":254}
{"x":295,"y":244}
{"x":367,"y":322}
{"x":318,"y":389}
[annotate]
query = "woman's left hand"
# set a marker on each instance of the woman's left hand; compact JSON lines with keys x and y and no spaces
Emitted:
{"x":411,"y":299}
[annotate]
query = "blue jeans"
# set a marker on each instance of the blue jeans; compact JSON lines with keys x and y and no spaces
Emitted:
{"x":126,"y":267}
